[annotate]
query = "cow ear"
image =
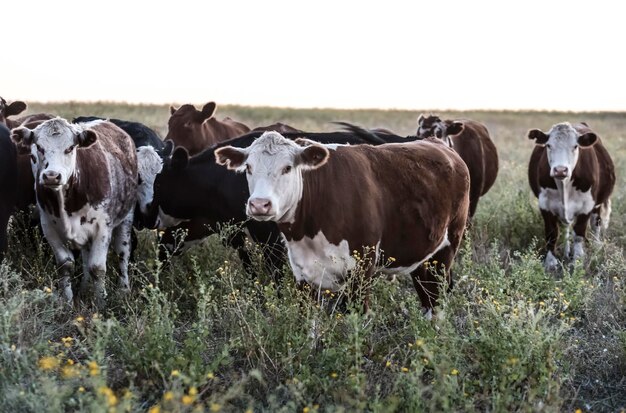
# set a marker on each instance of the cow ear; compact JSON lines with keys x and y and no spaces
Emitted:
{"x":420,"y":119}
{"x":538,"y":136}
{"x":86,"y":138}
{"x":23,"y":137}
{"x":15,"y":108}
{"x":454,"y":128}
{"x":180,"y":158}
{"x":208,"y":110}
{"x":587,"y":139}
{"x":168,"y":148}
{"x":304,"y":142}
{"x":312,"y":157}
{"x":172,"y":110}
{"x":231,"y":157}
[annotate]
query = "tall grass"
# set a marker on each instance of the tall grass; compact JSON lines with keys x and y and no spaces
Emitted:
{"x":199,"y":334}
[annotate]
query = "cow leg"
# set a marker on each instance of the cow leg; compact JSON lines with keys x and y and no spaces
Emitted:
{"x":566,"y":247}
{"x":64,"y":260}
{"x":122,"y":244}
{"x":4,"y":222}
{"x":580,"y":230}
{"x":97,"y":262}
{"x":600,"y":218}
{"x":551,"y":225}
{"x":85,"y":282}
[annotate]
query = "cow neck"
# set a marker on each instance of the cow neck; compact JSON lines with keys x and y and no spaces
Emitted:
{"x":313,"y":211}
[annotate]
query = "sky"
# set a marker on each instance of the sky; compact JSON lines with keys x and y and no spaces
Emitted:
{"x":437,"y":54}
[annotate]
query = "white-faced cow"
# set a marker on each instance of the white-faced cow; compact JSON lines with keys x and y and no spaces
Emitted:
{"x":86,"y":187}
{"x":198,"y":196}
{"x":406,"y":201}
{"x":573,"y":176}
{"x":470,"y":139}
{"x":196,"y":130}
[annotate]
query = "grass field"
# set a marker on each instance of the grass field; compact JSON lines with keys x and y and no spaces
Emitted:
{"x":201,"y":335}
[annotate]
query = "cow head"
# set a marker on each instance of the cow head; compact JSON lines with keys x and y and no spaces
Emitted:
{"x":274,"y":167}
{"x":53,"y":146}
{"x":149,"y":165}
{"x":6,"y":110}
{"x":433,"y":126}
{"x":562,"y":145}
{"x":186,"y":121}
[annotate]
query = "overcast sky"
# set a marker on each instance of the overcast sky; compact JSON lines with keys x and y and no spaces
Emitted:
{"x":438,"y":54}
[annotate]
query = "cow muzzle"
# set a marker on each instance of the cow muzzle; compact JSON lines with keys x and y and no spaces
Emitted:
{"x":51,"y":179}
{"x":560,"y":172}
{"x":260,"y":208}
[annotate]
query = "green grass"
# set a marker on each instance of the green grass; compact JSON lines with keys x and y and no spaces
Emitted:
{"x":200,"y":334}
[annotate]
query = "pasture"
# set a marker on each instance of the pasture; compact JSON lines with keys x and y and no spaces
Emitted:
{"x":199,"y":334}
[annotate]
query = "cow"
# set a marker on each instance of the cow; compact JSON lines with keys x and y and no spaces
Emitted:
{"x":572,"y":175}
{"x":25,"y":183}
{"x":198,"y":196}
{"x":400,"y":205}
{"x":86,"y":188}
{"x":196,"y":130}
{"x":277,"y":127}
{"x":8,"y":184}
{"x":471,"y":140}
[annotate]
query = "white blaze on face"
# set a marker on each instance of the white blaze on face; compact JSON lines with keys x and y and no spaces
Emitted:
{"x":149,"y":165}
{"x":562,"y":150}
{"x":273,"y":167}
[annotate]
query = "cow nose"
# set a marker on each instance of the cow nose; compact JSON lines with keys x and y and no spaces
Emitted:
{"x":51,"y":177}
{"x":560,"y":172}
{"x":259,"y":206}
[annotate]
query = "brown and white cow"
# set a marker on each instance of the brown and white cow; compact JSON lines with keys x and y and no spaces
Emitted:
{"x":470,"y":139}
{"x":196,"y":130}
{"x":405,"y":201}
{"x":86,"y":187}
{"x":572,"y":174}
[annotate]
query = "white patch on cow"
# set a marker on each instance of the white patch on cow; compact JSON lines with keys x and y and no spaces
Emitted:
{"x":579,"y":250}
{"x":77,"y":229}
{"x":551,"y":263}
{"x":149,"y":165}
{"x":165,"y":221}
{"x":319,"y":262}
{"x":335,"y":146}
{"x":566,"y":202}
{"x":91,"y":123}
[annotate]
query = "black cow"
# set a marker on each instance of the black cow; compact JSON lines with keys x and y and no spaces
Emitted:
{"x":8,"y":184}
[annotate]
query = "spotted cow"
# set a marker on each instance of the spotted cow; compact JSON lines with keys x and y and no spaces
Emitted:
{"x":86,"y":188}
{"x":572,"y":175}
{"x":400,"y":205}
{"x":470,"y":139}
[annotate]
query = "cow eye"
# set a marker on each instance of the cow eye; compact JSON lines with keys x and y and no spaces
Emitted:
{"x":39,"y":148}
{"x":70,"y":149}
{"x":575,"y":147}
{"x":286,"y":169}
{"x":248,"y":169}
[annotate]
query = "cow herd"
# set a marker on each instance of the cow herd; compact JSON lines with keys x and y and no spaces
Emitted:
{"x":338,"y":206}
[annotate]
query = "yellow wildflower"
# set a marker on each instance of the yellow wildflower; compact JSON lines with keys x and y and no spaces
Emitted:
{"x":168,"y":395}
{"x":306,"y":409}
{"x":215,"y":407}
{"x":333,"y":375}
{"x":47,"y":290}
{"x":175,"y":373}
{"x":404,"y":369}
{"x":94,"y":369}
{"x":210,"y":376}
{"x":108,"y":393}
{"x":454,"y":372}
{"x":578,"y":411}
{"x":388,"y":363}
{"x":67,"y":341}
{"x":187,"y":400}
{"x":69,"y":372}
{"x":155,"y":409}
{"x":81,"y":389}
{"x":80,"y":319}
{"x":193,"y":391}
{"x":48,"y":363}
